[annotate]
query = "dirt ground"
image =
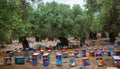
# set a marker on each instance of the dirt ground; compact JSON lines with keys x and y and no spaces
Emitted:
{"x":52,"y":65}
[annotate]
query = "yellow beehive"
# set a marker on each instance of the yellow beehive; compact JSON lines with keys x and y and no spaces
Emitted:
{"x":69,"y":52}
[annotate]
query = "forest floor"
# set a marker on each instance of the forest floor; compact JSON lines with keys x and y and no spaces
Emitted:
{"x":92,"y":60}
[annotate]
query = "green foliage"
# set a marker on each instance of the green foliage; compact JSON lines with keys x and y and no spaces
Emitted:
{"x":96,"y":26}
{"x":107,"y":17}
{"x":8,"y":17}
{"x":110,"y":15}
{"x":11,"y":21}
{"x":19,"y":19}
{"x":52,"y":19}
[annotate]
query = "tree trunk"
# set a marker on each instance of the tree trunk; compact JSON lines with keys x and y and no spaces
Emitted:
{"x":76,"y":38}
{"x":51,"y":38}
{"x":112,"y":38}
{"x":37,"y":39}
{"x":20,"y":39}
{"x":93,"y":35}
{"x":10,"y":41}
{"x":64,"y":41}
{"x":42,"y":38}
{"x":103,"y":35}
{"x":1,"y":43}
{"x":25,"y":43}
{"x":82,"y":41}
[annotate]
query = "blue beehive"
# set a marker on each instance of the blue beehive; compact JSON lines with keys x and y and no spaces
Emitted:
{"x":99,"y":55}
{"x":59,"y":47}
{"x":88,"y":50}
{"x":116,"y":53}
{"x":34,"y":50}
{"x":41,"y":47}
{"x":85,"y":63}
{"x":58,"y":59}
{"x":27,"y":54}
{"x":65,"y":55}
{"x":34,"y":61}
{"x":19,"y":60}
{"x":83,"y":53}
{"x":30,"y":48}
{"x":41,"y":53}
{"x":76,"y":54}
{"x":107,"y":53}
{"x":35,"y":58}
{"x":46,"y":59}
{"x":72,"y":60}
{"x":111,"y":49}
{"x":11,"y":54}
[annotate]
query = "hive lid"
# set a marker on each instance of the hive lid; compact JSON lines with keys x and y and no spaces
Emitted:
{"x":85,"y":58}
{"x":116,"y":57}
{"x":71,"y":54}
{"x":45,"y":54}
{"x":58,"y":53}
{"x":42,"y":50}
{"x":35,"y":53}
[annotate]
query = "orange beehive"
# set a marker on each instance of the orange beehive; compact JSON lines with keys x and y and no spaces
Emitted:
{"x":92,"y":54}
{"x":62,"y":51}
